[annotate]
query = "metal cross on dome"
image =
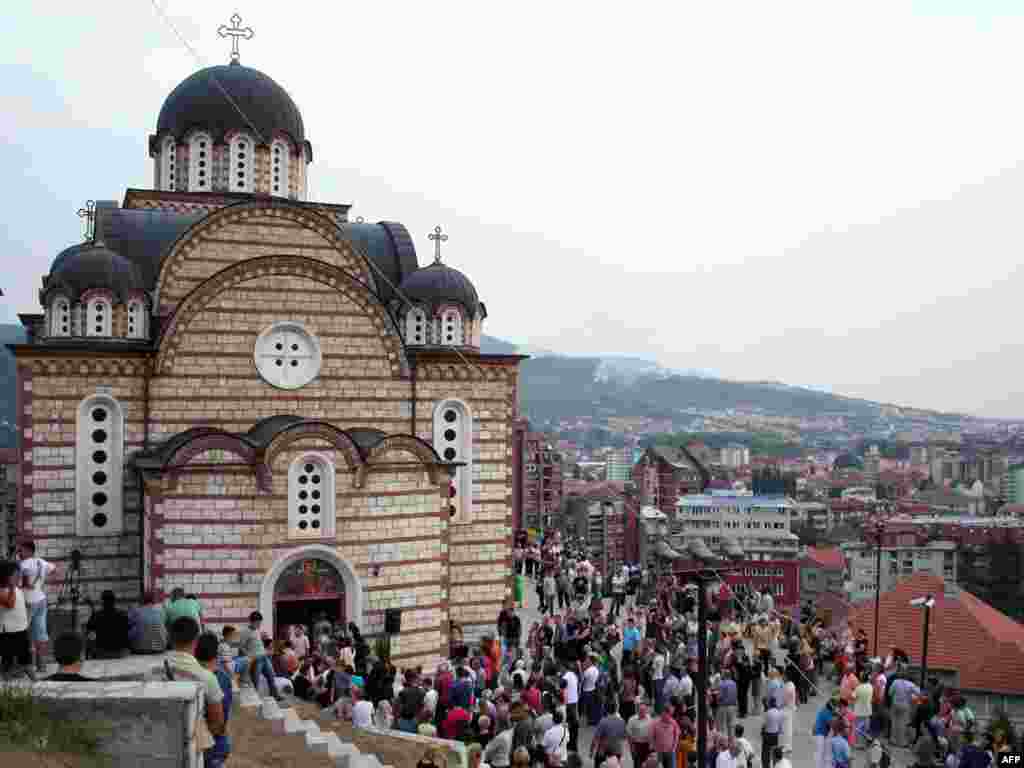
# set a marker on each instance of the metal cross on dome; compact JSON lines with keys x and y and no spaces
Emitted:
{"x":88,"y":212}
{"x":236,"y":32}
{"x":438,"y":237}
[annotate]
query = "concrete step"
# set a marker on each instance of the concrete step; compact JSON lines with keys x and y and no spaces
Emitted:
{"x":344,"y":754}
{"x":316,"y":742}
{"x":269,"y":710}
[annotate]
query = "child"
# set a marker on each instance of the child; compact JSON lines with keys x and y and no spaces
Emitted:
{"x":227,"y":650}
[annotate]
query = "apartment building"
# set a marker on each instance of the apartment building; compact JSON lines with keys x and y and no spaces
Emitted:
{"x":537,"y":479}
{"x":759,"y":525}
{"x":903,"y":554}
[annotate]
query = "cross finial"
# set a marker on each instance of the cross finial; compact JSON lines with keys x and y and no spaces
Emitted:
{"x":236,"y":31}
{"x":438,"y":237}
{"x":88,"y":212}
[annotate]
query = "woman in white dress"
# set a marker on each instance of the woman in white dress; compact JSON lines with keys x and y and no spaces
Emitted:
{"x":788,"y":714}
{"x":15,"y":651}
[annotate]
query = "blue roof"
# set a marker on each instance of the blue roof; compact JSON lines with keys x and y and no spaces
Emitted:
{"x":743,"y":502}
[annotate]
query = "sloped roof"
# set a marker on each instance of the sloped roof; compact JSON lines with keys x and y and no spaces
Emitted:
{"x":966,"y":634}
{"x":827,"y":557}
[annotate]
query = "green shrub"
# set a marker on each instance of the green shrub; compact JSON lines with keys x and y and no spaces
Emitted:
{"x":26,"y":725}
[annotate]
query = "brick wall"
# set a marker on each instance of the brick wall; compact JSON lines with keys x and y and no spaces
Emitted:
{"x":211,"y":528}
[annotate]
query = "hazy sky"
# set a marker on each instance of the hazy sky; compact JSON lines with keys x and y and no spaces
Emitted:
{"x":822,"y":193}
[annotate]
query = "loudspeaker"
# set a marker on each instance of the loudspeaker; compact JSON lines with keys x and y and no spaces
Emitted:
{"x":393,"y":621}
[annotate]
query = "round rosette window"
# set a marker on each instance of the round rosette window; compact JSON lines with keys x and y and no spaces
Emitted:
{"x":287,"y":355}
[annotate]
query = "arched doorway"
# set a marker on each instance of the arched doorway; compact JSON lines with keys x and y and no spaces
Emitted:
{"x":308,"y":581}
{"x":307,"y":590}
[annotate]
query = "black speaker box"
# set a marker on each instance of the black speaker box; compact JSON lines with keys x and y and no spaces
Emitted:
{"x":393,"y":621}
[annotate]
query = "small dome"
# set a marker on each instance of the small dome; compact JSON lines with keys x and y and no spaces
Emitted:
{"x":847,"y":461}
{"x":92,"y":265}
{"x":199,"y":102}
{"x":439,"y":284}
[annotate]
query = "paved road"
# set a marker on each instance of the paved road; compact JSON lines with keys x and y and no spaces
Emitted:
{"x":803,"y":726}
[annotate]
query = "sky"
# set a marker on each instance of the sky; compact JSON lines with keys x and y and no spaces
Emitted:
{"x":821,"y":193}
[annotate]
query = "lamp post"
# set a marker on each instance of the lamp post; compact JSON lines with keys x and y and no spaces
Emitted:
{"x":878,"y":529}
{"x":709,"y":570}
{"x":927,"y":603}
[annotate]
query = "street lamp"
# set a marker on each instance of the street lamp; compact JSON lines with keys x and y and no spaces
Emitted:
{"x":878,"y":528}
{"x":927,"y":603}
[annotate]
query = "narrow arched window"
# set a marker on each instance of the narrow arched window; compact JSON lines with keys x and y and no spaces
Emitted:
{"x":280,"y":163}
{"x":311,"y":497}
{"x":453,"y":441}
{"x":169,"y":164}
{"x":240,"y":170}
{"x":451,"y":328}
{"x":416,"y":326}
{"x":60,"y":317}
{"x":99,"y":467}
{"x":136,"y":319}
{"x":97,"y":320}
{"x":200,"y":163}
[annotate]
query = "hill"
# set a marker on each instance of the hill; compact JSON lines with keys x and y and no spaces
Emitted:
{"x":555,"y":387}
{"x":9,"y":334}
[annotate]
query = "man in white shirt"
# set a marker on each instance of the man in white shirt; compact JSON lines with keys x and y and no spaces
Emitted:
{"x":658,"y":676}
{"x":727,"y":753}
{"x":588,"y":694}
{"x":34,"y":572}
{"x":556,"y":740}
{"x":572,"y":709}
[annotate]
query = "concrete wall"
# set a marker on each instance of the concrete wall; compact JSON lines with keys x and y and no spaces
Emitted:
{"x":150,"y":724}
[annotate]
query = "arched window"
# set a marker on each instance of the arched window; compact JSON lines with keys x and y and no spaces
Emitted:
{"x":136,"y":319}
{"x":99,"y":464}
{"x":416,"y":326}
{"x":451,"y":328}
{"x":169,"y":164}
{"x":453,"y":441}
{"x":60,"y":317}
{"x":97,"y":320}
{"x":280,"y":157}
{"x":311,"y":497}
{"x":240,"y":173}
{"x":200,"y":163}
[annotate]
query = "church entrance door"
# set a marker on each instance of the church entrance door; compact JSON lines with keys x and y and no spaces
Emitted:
{"x":304,"y":591}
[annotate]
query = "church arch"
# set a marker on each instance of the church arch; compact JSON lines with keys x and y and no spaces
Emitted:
{"x":354,"y":258}
{"x":298,"y":266}
{"x":321,"y":430}
{"x":407,"y":443}
{"x":354,"y":598}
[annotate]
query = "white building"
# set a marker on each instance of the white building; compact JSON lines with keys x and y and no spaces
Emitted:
{"x":909,"y":557}
{"x":759,"y":524}
{"x":734,"y":456}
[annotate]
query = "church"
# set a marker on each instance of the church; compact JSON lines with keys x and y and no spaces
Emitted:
{"x":247,"y":394}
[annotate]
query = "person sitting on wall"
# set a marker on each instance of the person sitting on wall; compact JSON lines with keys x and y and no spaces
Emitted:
{"x":108,"y":629}
{"x":67,"y":650}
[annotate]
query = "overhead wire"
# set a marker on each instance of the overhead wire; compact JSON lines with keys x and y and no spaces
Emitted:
{"x":202,"y":62}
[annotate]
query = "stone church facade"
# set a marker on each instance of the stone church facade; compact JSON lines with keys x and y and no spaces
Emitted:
{"x":230,"y":387}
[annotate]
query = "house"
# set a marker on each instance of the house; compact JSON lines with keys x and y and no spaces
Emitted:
{"x":822,"y":570}
{"x":664,"y":473}
{"x":971,"y":646}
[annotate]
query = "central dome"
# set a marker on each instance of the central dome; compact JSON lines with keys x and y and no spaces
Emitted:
{"x":199,"y":101}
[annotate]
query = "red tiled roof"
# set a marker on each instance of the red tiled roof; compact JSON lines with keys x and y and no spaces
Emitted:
{"x":827,"y":557}
{"x":965,"y":634}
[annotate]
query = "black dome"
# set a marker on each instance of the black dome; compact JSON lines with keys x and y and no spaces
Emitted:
{"x":438,"y":284}
{"x":92,"y":265}
{"x":847,"y":461}
{"x":198,"y":102}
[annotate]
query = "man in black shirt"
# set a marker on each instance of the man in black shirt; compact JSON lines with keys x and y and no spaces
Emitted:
{"x":68,"y":653}
{"x":108,"y":629}
{"x":410,"y":702}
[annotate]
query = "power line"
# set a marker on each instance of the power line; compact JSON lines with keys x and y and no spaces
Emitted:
{"x":199,"y":59}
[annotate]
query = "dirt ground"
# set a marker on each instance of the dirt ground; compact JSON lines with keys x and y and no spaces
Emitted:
{"x":255,"y":745}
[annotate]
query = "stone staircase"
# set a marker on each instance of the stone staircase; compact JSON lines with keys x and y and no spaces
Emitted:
{"x":287,"y":721}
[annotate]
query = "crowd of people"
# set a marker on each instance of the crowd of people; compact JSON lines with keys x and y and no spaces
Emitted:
{"x":614,"y":657}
